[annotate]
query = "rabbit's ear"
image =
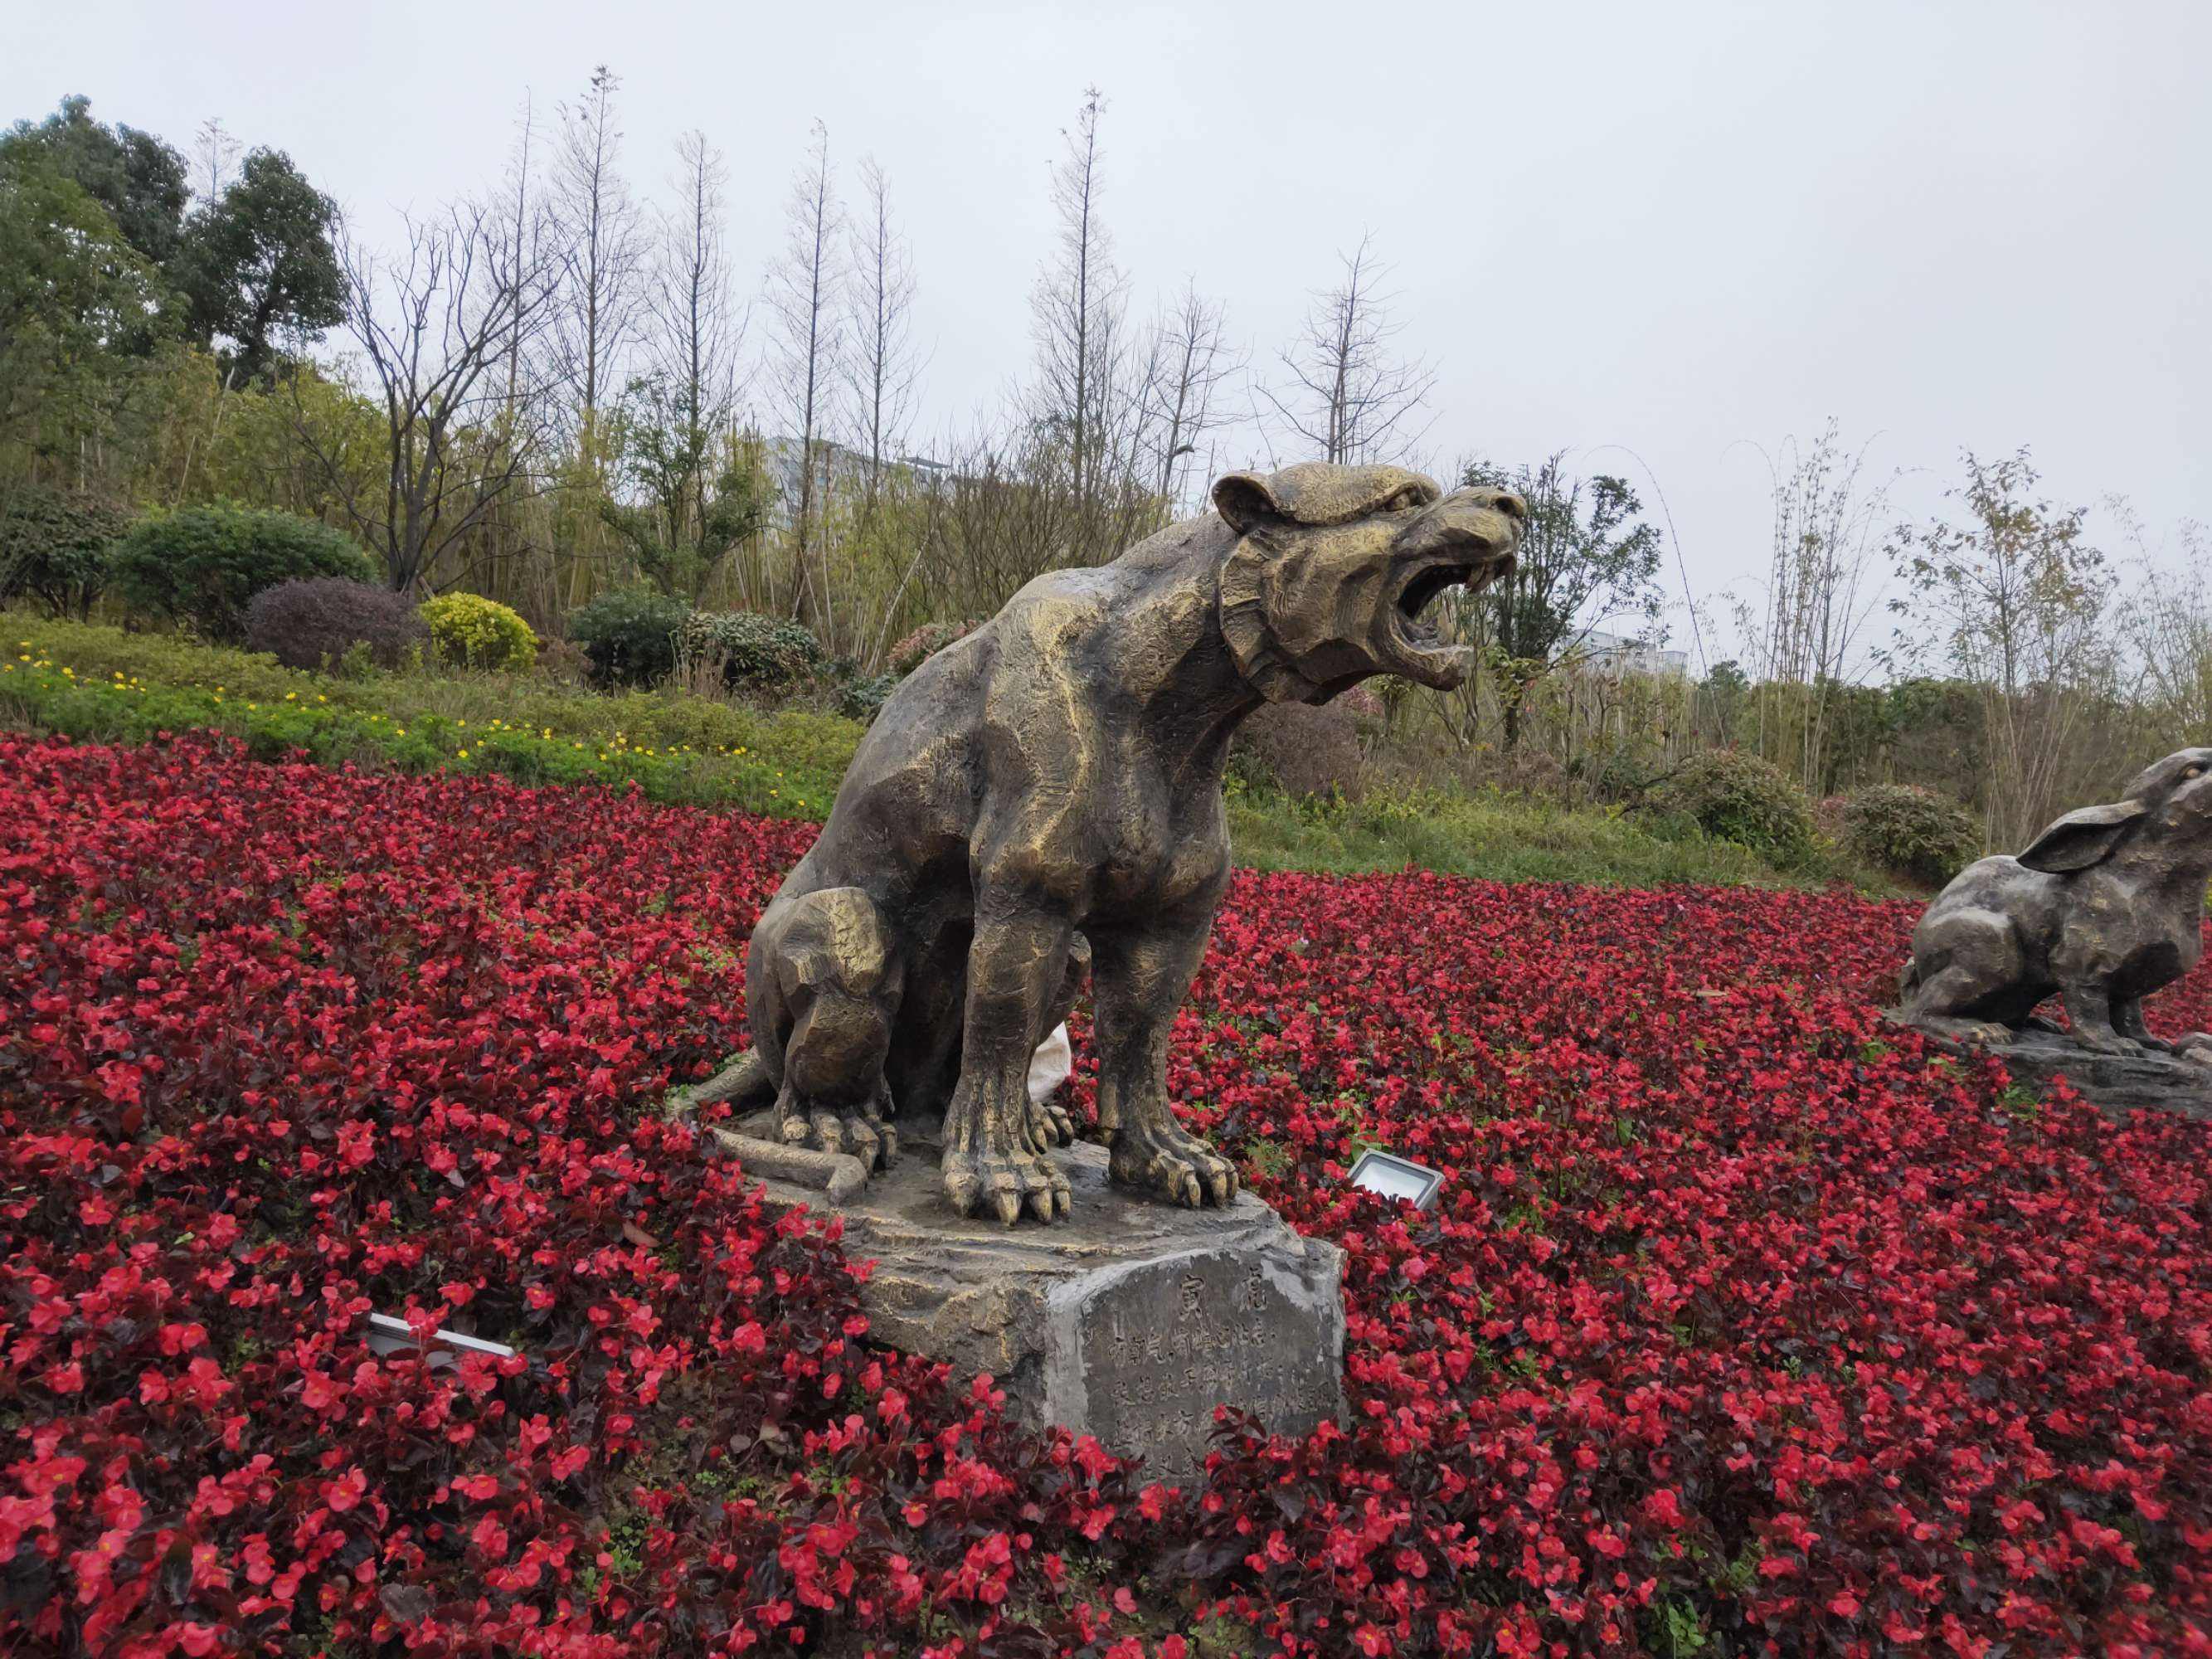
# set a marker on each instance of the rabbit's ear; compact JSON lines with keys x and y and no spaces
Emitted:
{"x":2080,"y":839}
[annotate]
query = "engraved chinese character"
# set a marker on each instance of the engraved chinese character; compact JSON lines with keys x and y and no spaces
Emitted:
{"x":1118,"y":1332}
{"x":1194,"y":1296}
{"x":1255,"y":1290}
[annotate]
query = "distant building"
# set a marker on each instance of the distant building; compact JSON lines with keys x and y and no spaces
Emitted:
{"x":1611,"y":654}
{"x":837,"y":466}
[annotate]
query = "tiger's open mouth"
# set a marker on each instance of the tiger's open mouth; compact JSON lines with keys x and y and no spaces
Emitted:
{"x":1415,"y":630}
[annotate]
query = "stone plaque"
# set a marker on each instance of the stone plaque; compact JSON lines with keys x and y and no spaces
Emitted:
{"x":1156,"y":1346}
{"x":1130,"y":1321}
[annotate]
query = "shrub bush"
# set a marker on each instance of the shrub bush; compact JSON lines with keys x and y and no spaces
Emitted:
{"x":479,"y":633}
{"x":1913,"y":831}
{"x":1302,"y":751}
{"x":324,"y":621}
{"x":630,"y":636}
{"x":1737,"y":797}
{"x":57,"y":547}
{"x":750,"y":651}
{"x":203,"y":565}
{"x":925,"y":642}
{"x":861,"y":695}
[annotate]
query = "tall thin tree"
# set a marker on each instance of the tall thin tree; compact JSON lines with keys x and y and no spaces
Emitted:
{"x":1187,"y":360}
{"x":698,"y":330}
{"x":215,"y":152}
{"x":1076,"y":312}
{"x":882,"y":367}
{"x":606,"y":248}
{"x":804,"y":297}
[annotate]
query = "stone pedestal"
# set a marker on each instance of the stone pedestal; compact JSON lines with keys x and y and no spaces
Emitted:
{"x":2118,"y":1083}
{"x":1130,"y":1321}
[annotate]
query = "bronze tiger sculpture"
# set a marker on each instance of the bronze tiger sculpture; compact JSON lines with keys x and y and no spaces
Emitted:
{"x":1049,"y":788}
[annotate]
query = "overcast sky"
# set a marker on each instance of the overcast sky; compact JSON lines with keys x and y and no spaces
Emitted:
{"x":1682,"y":230}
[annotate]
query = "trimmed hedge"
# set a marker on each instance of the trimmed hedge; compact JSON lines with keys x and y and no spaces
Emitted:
{"x":1732,"y":796}
{"x":755,"y":654}
{"x":1910,"y":830}
{"x":204,"y":565}
{"x":630,"y":636}
{"x":479,"y":633}
{"x":57,"y":547}
{"x":322,"y":622}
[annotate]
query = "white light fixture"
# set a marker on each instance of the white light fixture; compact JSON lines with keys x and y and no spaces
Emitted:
{"x":1397,"y":1177}
{"x":387,"y":1336}
{"x":1051,"y":1065}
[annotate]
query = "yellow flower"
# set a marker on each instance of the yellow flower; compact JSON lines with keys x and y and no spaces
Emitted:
{"x":464,"y":754}
{"x":291,"y":697}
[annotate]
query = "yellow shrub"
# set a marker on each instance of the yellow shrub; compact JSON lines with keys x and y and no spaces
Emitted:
{"x":482,"y":633}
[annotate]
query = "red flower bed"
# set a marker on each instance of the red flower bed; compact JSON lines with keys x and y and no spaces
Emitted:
{"x":1741,"y":1324}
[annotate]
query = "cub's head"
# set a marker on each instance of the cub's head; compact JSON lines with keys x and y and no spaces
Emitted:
{"x":1334,"y":565}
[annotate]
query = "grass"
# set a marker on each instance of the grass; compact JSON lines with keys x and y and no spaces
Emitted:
{"x":101,"y":683}
{"x":1498,"y":836}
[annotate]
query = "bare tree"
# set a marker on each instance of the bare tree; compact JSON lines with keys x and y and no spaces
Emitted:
{"x":606,"y":251}
{"x":1350,"y":397}
{"x":526,"y":229}
{"x":883,"y":369}
{"x":1076,"y":312}
{"x":1821,"y":590}
{"x":697,"y":331}
{"x":215,"y":152}
{"x":1187,"y":360}
{"x":805,"y":290}
{"x":2167,"y":624}
{"x":435,"y":327}
{"x":532,"y":243}
{"x":687,"y":504}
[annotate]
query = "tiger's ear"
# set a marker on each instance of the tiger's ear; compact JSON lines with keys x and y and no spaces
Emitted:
{"x":1244,"y":499}
{"x":2080,"y":839}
